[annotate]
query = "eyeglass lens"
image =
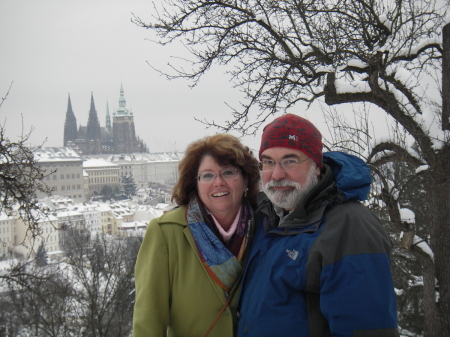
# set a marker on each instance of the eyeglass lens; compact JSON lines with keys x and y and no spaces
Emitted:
{"x":286,"y":164}
{"x":230,"y":173}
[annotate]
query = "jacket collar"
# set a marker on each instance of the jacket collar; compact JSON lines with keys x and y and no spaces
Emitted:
{"x":177,"y":216}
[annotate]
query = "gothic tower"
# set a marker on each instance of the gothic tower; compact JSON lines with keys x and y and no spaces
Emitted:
{"x":108,"y":118}
{"x":93,"y":133}
{"x":70,"y":125}
{"x":93,"y":126}
{"x":124,"y":136}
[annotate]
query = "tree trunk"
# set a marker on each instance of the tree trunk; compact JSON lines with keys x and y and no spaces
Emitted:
{"x":433,"y":324}
{"x":446,"y":78}
{"x":438,"y":192}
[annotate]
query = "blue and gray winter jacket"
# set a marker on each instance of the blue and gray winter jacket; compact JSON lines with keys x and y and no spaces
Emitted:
{"x":324,"y":270}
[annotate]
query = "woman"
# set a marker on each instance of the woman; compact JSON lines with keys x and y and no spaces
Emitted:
{"x":189,"y":264}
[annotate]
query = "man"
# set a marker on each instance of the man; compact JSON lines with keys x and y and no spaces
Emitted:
{"x":319,"y":264}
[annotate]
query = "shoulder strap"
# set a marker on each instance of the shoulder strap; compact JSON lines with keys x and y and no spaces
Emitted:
{"x":221,"y":311}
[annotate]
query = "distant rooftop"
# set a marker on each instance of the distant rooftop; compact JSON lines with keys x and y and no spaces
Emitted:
{"x":51,"y":154}
{"x":146,"y":157}
{"x":97,"y":162}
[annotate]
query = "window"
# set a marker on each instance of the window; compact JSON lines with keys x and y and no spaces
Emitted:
{"x":54,"y":177}
{"x":67,"y":176}
{"x":62,"y":176}
{"x":63,"y":188}
{"x":73,"y":175}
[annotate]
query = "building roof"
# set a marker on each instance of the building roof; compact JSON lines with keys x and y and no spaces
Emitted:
{"x":55,"y":154}
{"x":146,"y":157}
{"x":68,"y":214}
{"x":97,"y":163}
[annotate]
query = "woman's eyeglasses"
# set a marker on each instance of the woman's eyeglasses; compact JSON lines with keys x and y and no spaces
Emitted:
{"x":229,"y":173}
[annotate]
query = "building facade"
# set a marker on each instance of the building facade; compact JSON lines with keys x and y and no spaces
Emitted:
{"x":91,"y":218}
{"x":148,"y":168}
{"x":64,"y":170}
{"x":101,"y":173}
{"x":6,"y":234}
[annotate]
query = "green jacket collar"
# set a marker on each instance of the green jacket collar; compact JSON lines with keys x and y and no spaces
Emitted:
{"x":177,"y":216}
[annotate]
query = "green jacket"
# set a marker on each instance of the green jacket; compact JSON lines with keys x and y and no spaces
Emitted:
{"x":175,"y":296}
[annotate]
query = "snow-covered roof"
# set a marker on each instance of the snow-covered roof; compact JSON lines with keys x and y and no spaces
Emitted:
{"x":146,"y":157}
{"x":104,"y":208}
{"x":98,"y":163}
{"x":68,"y":213}
{"x":133,"y":224}
{"x":162,"y":206}
{"x":55,"y":154}
{"x":3,"y":216}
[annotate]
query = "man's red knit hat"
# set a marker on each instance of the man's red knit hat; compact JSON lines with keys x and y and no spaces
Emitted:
{"x":293,"y":132}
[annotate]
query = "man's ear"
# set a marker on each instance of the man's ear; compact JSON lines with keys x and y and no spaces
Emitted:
{"x":317,"y":170}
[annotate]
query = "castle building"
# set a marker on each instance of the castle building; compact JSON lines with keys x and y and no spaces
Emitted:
{"x":120,"y":137}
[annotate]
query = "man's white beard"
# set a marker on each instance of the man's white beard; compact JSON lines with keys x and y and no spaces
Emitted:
{"x":289,"y":199}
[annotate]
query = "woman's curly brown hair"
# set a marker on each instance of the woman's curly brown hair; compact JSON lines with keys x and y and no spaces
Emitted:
{"x":226,"y":150}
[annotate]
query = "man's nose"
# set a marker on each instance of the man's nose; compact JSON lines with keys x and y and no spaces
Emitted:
{"x":278,"y":172}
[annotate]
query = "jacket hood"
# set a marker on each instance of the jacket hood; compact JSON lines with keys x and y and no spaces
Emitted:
{"x":351,"y":174}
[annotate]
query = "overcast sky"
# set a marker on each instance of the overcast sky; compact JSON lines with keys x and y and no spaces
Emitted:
{"x":53,"y":48}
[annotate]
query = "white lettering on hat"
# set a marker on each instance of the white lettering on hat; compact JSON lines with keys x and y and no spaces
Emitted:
{"x":293,"y":137}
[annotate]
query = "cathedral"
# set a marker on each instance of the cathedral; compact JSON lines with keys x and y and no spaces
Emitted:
{"x":116,"y":138}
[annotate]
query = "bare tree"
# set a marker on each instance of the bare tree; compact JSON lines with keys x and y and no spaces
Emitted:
{"x":20,"y":179}
{"x":89,"y":293}
{"x":39,"y":300}
{"x":384,"y":53}
{"x":102,"y":272}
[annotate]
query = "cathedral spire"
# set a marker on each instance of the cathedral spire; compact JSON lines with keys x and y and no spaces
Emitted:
{"x":93,"y":126}
{"x":122,"y":110}
{"x":108,"y":118}
{"x":70,"y":125}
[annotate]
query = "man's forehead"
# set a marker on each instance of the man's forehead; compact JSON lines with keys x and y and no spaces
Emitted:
{"x":282,"y":152}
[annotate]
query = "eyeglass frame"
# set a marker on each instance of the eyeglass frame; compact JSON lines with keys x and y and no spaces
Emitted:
{"x":281,"y":163}
{"x":199,"y":179}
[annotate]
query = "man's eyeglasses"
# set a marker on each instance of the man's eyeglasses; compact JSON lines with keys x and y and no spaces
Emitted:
{"x":287,"y":164}
{"x":229,"y":173}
